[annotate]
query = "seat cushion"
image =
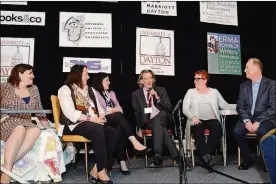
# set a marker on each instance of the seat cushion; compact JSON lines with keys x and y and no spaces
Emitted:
{"x":206,"y":132}
{"x":147,"y":132}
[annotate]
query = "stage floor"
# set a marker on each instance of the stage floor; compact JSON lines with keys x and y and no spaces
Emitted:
{"x":170,"y":174}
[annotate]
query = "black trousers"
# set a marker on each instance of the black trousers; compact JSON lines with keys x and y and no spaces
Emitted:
{"x":161,"y":136}
{"x":240,"y":135}
{"x":102,"y":137}
{"x":214,"y":126}
{"x":118,"y":121}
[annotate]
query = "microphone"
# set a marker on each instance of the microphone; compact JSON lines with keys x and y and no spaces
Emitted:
{"x":150,"y":88}
{"x":177,"y":105}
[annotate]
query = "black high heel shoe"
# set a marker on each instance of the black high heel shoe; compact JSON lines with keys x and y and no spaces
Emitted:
{"x":92,"y":179}
{"x":105,"y":182}
{"x":125,"y":172}
{"x":142,"y":152}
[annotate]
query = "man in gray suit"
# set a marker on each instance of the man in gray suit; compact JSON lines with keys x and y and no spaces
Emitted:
{"x":256,"y":108}
{"x":151,"y":106}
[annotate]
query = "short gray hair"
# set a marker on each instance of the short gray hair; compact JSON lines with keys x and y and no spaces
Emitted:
{"x":257,"y":62}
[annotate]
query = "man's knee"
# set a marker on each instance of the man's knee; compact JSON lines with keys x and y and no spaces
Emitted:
{"x":261,"y":132}
{"x":238,"y":130}
{"x":264,"y":129}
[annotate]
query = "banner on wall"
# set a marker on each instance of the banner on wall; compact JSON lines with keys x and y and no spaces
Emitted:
{"x":224,"y":54}
{"x":15,"y":51}
{"x":14,"y":2}
{"x":94,"y":65}
{"x":85,"y":30}
{"x":159,"y":8}
{"x":22,"y":18}
{"x":155,"y":51}
{"x":219,"y":12}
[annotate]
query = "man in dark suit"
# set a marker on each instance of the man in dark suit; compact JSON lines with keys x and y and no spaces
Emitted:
{"x":151,"y":106}
{"x":256,"y":108}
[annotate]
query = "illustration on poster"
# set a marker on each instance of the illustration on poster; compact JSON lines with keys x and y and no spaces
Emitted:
{"x":160,"y":48}
{"x":17,"y":58}
{"x":75,"y":28}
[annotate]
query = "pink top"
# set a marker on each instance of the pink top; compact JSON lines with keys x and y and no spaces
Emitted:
{"x":113,"y":97}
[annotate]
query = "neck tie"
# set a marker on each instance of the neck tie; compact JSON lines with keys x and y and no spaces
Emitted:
{"x":149,"y":99}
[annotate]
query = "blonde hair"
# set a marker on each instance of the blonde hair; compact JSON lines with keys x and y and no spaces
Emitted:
{"x":141,"y":77}
{"x":257,"y":62}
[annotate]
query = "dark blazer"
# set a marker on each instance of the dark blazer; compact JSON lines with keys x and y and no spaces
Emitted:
{"x":139,"y":103}
{"x":265,"y":103}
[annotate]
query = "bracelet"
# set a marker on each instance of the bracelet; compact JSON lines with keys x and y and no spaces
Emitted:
{"x":43,"y":118}
{"x":88,"y":118}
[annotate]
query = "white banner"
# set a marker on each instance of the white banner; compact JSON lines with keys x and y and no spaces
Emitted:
{"x":22,"y":18}
{"x":85,"y":30}
{"x":219,"y":13}
{"x":155,"y":51}
{"x":14,"y":2}
{"x":159,"y":8}
{"x":94,"y":65}
{"x":15,"y":51}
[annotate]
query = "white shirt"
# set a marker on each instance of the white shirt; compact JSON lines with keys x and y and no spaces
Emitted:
{"x":68,"y":108}
{"x":205,"y":110}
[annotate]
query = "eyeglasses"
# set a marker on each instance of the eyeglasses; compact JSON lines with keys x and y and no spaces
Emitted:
{"x":197,"y":79}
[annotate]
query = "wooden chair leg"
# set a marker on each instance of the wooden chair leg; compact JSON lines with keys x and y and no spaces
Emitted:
{"x":86,"y":162}
{"x":239,"y":156}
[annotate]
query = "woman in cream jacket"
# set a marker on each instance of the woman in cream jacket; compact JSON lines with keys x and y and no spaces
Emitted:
{"x":201,"y":107}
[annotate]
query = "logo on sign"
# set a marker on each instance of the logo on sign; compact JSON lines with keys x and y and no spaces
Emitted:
{"x":91,"y":65}
{"x":26,"y":18}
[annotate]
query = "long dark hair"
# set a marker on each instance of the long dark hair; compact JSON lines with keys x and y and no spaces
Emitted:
{"x":98,"y":85}
{"x":75,"y":76}
{"x":14,"y":78}
{"x":98,"y":81}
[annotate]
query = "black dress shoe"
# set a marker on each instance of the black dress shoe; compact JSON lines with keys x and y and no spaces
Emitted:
{"x":105,"y":181}
{"x":244,"y":166}
{"x":142,"y":152}
{"x":205,"y":162}
{"x":92,"y":179}
{"x":156,"y":163}
{"x":125,"y":172}
{"x":206,"y":158}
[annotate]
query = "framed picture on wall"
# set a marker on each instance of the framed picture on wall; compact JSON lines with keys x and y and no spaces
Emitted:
{"x":85,"y":30}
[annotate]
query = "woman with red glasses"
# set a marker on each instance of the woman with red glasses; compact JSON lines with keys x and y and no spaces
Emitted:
{"x":201,"y":107}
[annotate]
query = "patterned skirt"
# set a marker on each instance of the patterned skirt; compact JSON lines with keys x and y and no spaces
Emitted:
{"x":10,"y":123}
